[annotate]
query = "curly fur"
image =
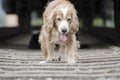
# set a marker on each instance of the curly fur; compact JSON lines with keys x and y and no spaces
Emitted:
{"x":51,"y":30}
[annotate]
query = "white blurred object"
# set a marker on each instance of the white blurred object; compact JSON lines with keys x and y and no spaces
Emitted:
{"x":42,"y":62}
{"x":11,"y":20}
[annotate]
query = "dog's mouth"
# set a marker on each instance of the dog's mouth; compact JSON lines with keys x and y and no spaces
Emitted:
{"x":63,"y":37}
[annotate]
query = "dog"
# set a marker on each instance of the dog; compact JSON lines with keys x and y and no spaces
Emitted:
{"x":60,"y":24}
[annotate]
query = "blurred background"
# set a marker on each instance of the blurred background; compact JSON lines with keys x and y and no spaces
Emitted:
{"x":99,"y":36}
{"x":21,"y":21}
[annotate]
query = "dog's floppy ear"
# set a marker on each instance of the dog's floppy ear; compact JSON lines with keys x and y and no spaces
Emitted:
{"x":48,"y":20}
{"x":74,"y":23}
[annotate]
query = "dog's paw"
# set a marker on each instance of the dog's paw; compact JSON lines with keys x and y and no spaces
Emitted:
{"x":58,"y":58}
{"x":49,"y":59}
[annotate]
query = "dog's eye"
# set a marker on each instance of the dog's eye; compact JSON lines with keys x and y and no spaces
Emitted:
{"x":68,"y":19}
{"x":59,"y":19}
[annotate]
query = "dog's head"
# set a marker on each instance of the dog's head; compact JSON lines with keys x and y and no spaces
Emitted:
{"x":63,"y":18}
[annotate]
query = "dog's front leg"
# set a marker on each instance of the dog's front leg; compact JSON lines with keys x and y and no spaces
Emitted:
{"x":50,"y":51}
{"x":72,"y":55}
{"x":72,"y":52}
{"x":63,"y":53}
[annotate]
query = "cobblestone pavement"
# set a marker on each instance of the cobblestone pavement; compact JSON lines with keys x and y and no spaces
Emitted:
{"x":94,"y":64}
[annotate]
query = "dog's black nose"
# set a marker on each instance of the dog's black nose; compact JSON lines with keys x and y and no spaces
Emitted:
{"x":64,"y":30}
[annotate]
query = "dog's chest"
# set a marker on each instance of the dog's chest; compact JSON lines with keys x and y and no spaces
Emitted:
{"x":56,"y":38}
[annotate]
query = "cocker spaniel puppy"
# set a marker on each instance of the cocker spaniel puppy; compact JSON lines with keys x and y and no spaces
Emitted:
{"x":60,"y":24}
